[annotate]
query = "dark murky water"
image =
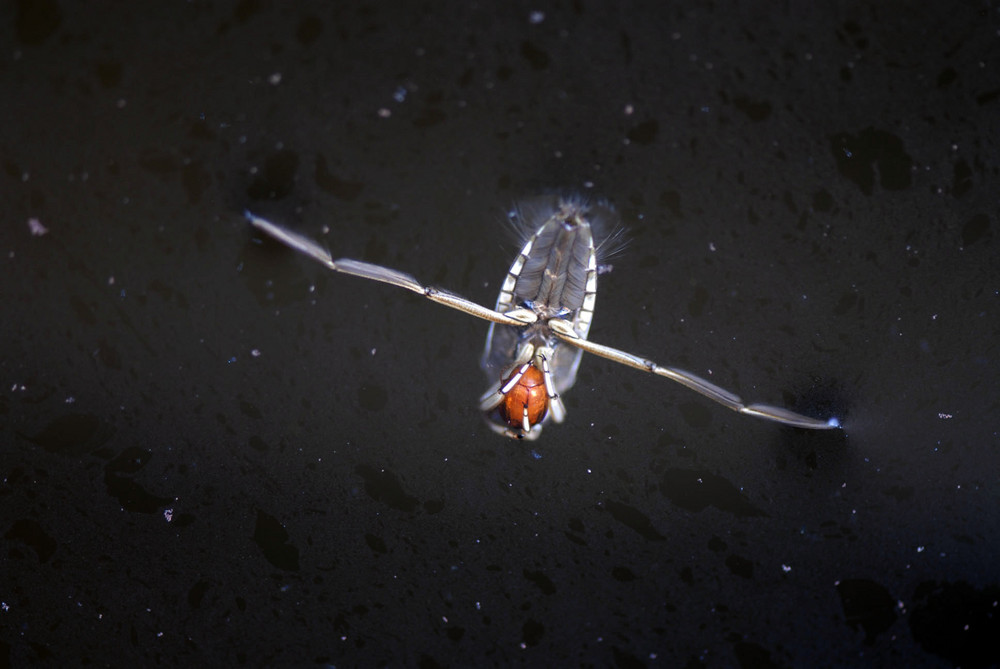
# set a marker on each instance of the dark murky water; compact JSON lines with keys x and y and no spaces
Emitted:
{"x":213,"y":450}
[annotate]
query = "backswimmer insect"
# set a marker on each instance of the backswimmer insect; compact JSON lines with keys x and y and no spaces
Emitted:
{"x":539,"y":326}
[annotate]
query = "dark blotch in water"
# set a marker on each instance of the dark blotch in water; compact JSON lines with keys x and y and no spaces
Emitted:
{"x":755,"y":111}
{"x":623,"y":574}
{"x":988,"y":97}
{"x":31,"y":534}
{"x":272,"y":539}
{"x":309,"y":30}
{"x":750,"y":654}
{"x":197,"y":593}
{"x":626,"y":660}
{"x":694,"y":490}
{"x":245,"y":10}
{"x":37,"y":20}
{"x":543,"y":582}
{"x":699,"y":300}
{"x":872,"y":153}
{"x":634,"y":519}
{"x":129,"y":461}
{"x":433,"y":506}
{"x":947,"y":77}
{"x":372,"y":398}
{"x":250,"y":410}
{"x":697,"y":414}
{"x":962,"y":181}
{"x":277,"y":178}
{"x":822,"y":200}
{"x":740,"y":566}
{"x":376,"y":543}
{"x":958,"y":622}
{"x":195,"y":180}
{"x":975,"y":229}
{"x":532,"y":632}
{"x":326,"y":180}
{"x":644,"y":133}
{"x":537,"y":58}
{"x":429,"y":117}
{"x":384,"y":487}
{"x":109,"y":73}
{"x":868,"y":606}
{"x":132,"y":496}
{"x":72,"y":435}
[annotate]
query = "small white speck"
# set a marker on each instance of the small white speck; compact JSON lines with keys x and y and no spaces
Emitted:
{"x":536,"y":17}
{"x":629,"y":110}
{"x":168,"y":515}
{"x":36,"y":227}
{"x":373,"y":351}
{"x":711,"y":246}
{"x":786,"y":568}
{"x":111,"y":280}
{"x":944,"y":416}
{"x":274,"y":79}
{"x":255,"y":352}
{"x":70,"y":400}
{"x":384,"y":113}
{"x":920,"y":549}
{"x":399,"y":95}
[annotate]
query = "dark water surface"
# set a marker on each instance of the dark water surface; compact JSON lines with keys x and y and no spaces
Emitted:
{"x":213,"y":451}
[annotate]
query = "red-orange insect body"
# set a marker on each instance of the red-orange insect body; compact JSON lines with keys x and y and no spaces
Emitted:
{"x":527,"y":397}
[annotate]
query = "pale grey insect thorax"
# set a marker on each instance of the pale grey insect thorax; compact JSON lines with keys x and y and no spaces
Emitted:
{"x":555,"y":276}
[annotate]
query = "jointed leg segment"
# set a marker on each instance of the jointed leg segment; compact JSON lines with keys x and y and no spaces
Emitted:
{"x":366,"y":270}
{"x":564,"y":330}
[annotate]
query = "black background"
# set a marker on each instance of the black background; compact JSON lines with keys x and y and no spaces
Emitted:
{"x":215,"y":450}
